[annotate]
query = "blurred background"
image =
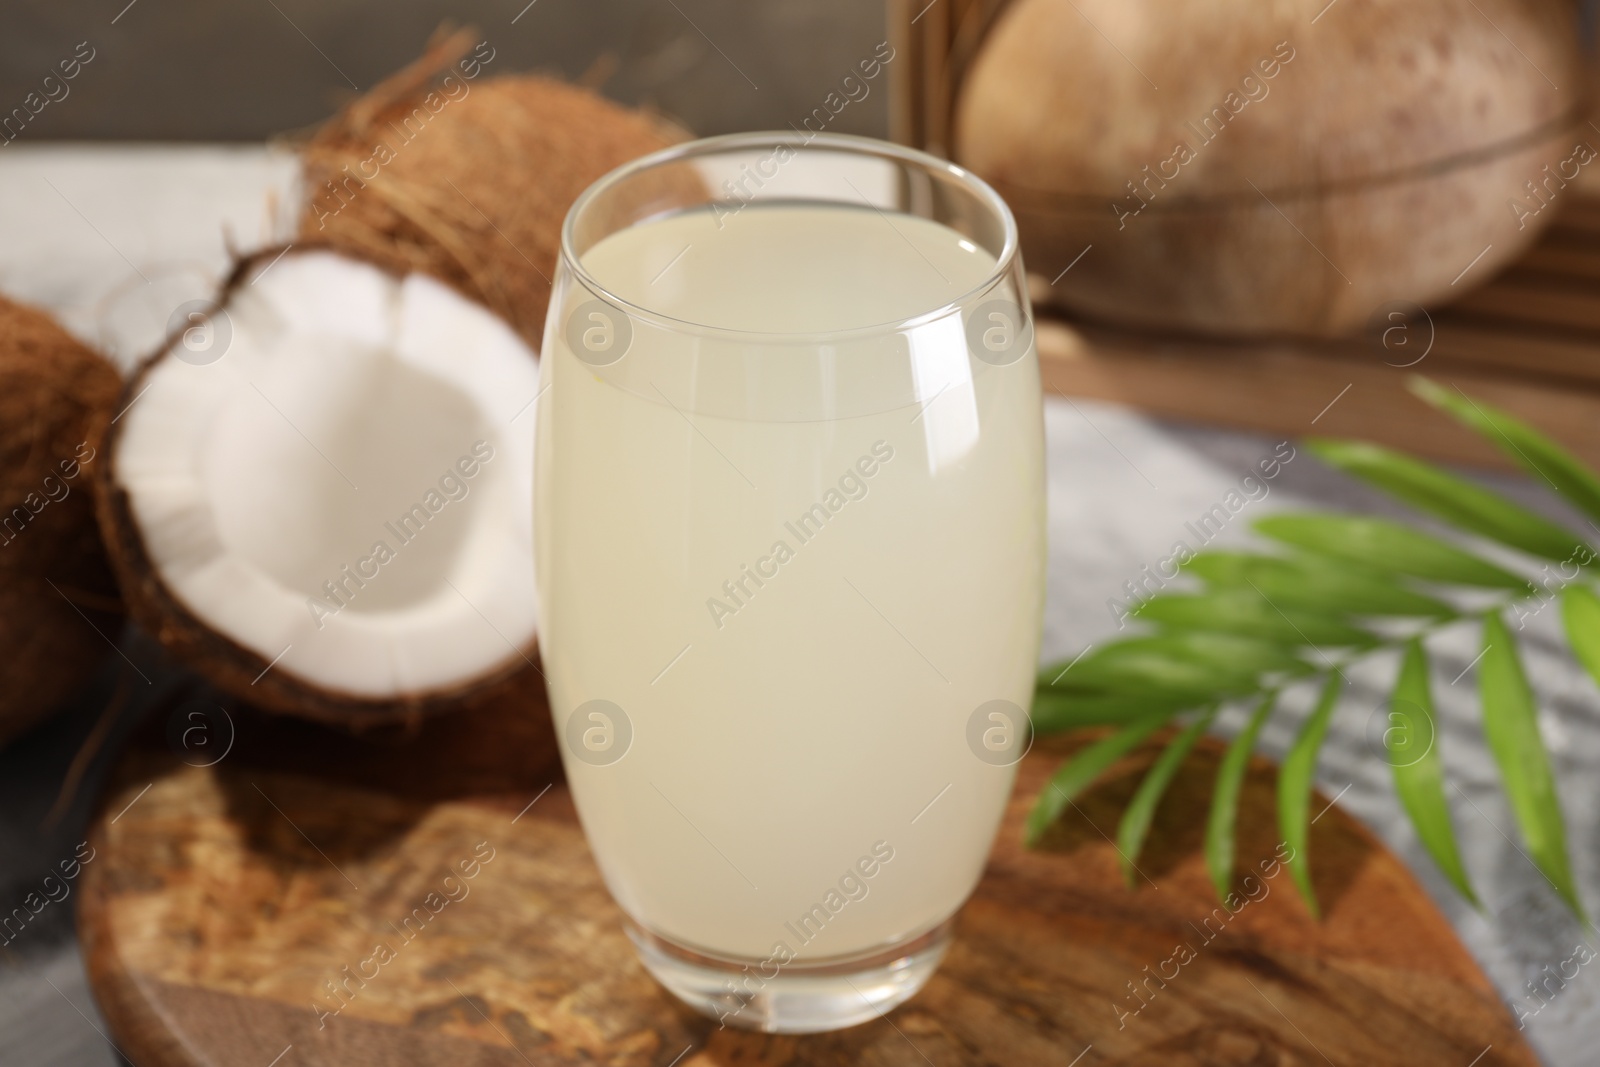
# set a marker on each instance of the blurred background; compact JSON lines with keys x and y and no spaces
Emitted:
{"x":247,"y":71}
{"x":126,"y":196}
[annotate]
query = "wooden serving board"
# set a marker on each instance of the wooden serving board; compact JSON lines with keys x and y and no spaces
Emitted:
{"x":221,"y":901}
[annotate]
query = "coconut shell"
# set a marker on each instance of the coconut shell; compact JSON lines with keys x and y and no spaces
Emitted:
{"x":1362,"y":159}
{"x":225,"y":663}
{"x":55,"y":586}
{"x":476,"y":196}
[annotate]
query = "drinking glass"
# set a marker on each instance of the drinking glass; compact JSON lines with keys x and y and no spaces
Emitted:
{"x":790,"y":553}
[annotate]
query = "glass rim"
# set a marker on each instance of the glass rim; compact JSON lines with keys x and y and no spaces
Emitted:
{"x":849,"y":144}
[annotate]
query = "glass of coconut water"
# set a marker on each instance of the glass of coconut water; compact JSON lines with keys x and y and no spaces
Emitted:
{"x":790,"y":541}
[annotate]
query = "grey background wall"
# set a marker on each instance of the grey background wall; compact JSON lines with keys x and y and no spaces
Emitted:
{"x":240,"y":70}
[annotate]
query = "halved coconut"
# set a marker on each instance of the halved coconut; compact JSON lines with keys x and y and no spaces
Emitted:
{"x":321,"y":494}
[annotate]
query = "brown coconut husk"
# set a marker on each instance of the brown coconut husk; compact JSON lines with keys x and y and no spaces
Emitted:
{"x":232,"y":668}
{"x":55,"y":586}
{"x":1285,"y":178}
{"x":477,"y":196}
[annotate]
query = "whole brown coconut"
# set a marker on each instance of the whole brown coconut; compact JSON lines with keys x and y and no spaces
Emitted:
{"x":1289,"y":174}
{"x":55,"y":587}
{"x":467,"y":179}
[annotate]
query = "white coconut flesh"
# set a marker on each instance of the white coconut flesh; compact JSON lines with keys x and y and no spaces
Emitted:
{"x":347,"y":490}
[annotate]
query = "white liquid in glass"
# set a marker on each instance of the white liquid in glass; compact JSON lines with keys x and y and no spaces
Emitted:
{"x":798,"y":582}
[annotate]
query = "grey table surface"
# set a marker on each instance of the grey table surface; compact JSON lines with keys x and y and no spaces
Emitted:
{"x":112,"y":239}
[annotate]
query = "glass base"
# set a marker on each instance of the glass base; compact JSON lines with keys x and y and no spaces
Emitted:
{"x":803,"y":996}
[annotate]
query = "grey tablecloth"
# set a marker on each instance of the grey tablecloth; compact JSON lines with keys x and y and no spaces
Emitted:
{"x":113,"y":239}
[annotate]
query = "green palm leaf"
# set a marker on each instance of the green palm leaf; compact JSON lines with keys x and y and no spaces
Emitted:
{"x":1081,"y":770}
{"x":1412,"y":742}
{"x":1247,"y":613}
{"x":1455,"y":500}
{"x":1388,"y":546}
{"x":1540,"y":455}
{"x":1314,"y":584}
{"x":1251,"y":629}
{"x":1181,"y":661}
{"x":1141,"y":810}
{"x":1295,"y":780}
{"x":1056,"y":710}
{"x":1511,"y":726}
{"x":1225,"y":798}
{"x":1580,"y":614}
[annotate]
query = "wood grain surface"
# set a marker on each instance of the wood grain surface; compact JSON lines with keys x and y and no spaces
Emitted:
{"x":1527,"y":341}
{"x":225,"y":905}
